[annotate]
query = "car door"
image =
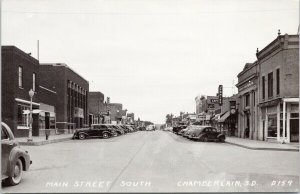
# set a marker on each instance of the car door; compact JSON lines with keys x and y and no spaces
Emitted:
{"x":209,"y":132}
{"x":7,"y":145}
{"x":102,"y":129}
{"x":94,"y":130}
{"x":214,"y":133}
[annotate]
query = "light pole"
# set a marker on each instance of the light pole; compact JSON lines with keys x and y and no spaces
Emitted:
{"x":31,"y":94}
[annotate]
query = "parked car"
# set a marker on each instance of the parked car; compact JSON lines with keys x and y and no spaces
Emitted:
{"x":117,"y":128}
{"x":141,"y":128}
{"x":182,"y":131}
{"x":207,"y":133}
{"x":14,"y":160}
{"x":178,"y":128}
{"x":96,"y":130}
{"x":190,"y":130}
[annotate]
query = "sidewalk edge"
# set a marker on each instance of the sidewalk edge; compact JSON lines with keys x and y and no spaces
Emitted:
{"x":261,"y":148}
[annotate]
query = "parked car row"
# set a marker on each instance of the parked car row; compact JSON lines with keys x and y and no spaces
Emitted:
{"x":104,"y":131}
{"x":199,"y":133}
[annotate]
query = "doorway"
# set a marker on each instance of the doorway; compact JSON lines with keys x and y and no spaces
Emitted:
{"x":294,"y":130}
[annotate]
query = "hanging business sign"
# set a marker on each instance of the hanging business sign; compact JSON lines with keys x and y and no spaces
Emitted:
{"x":220,"y":96}
{"x":232,"y":107}
{"x":215,"y":101}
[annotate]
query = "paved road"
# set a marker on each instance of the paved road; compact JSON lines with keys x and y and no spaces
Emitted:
{"x":156,"y":162}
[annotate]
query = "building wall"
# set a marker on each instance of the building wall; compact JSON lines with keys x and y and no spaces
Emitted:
{"x":12,"y":58}
{"x":248,"y":86}
{"x":282,"y":53}
{"x":64,"y":75}
{"x":115,"y":111}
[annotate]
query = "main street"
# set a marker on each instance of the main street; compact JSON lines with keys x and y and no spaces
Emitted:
{"x":156,"y":161}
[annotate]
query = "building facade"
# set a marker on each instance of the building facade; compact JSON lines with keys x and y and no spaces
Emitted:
{"x":248,"y":101}
{"x":279,"y":90}
{"x":20,"y":74}
{"x":96,"y":107}
{"x":71,"y":100}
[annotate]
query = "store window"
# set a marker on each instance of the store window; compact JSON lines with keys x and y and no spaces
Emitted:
{"x":272,"y":125}
{"x":23,"y":118}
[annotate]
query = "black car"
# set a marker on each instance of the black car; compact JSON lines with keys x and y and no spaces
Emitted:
{"x":117,"y":128}
{"x":14,"y":160}
{"x":178,"y":128}
{"x":207,"y":133}
{"x":97,"y":130}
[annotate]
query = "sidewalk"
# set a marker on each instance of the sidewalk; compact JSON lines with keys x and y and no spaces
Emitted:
{"x":262,"y":145}
{"x":41,"y":140}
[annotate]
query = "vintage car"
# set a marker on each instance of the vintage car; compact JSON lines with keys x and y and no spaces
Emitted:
{"x":14,"y":159}
{"x":96,"y":130}
{"x":207,"y":133}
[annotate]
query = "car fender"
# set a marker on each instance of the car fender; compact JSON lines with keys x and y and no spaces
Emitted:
{"x":16,"y":153}
{"x":83,"y":133}
{"x":106,"y":131}
{"x":202,"y":135}
{"x":220,"y":135}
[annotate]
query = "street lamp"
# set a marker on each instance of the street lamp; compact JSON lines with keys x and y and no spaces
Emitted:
{"x":31,"y":94}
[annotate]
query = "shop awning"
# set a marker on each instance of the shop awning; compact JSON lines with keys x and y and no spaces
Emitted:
{"x":224,"y":117}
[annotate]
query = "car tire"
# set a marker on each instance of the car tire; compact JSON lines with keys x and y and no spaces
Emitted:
{"x":81,"y":136}
{"x":222,"y":139}
{"x":204,"y":139}
{"x":105,"y":135}
{"x":17,"y":174}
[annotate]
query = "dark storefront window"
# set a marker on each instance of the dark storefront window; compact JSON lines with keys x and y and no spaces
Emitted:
{"x":263,"y":87}
{"x":272,"y":125}
{"x":277,"y":81}
{"x":270,"y":85}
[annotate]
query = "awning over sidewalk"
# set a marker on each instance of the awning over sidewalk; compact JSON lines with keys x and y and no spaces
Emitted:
{"x":224,"y":117}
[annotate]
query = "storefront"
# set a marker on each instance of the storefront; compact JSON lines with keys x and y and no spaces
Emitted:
{"x":280,"y":120}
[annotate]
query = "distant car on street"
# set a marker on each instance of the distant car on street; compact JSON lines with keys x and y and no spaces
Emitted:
{"x":150,"y":128}
{"x":207,"y":133}
{"x":96,"y":130}
{"x":14,"y":160}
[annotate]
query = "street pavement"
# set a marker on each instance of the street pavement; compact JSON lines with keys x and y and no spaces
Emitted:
{"x":156,"y":161}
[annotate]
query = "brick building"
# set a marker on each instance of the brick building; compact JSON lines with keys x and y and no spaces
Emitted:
{"x":71,"y":89}
{"x":20,"y":73}
{"x":247,"y":101}
{"x":279,"y":90}
{"x":96,"y":108}
{"x":116,"y":112}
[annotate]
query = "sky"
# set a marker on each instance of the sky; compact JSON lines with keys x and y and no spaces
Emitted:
{"x":153,"y":56}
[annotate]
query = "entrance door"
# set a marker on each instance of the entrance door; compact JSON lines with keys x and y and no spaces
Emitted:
{"x":294,"y":129}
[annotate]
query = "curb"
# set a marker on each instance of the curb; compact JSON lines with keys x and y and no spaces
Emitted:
{"x":39,"y":143}
{"x":261,"y":148}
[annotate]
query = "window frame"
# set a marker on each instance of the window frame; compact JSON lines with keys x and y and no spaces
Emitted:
{"x":20,"y":76}
{"x":270,"y":85}
{"x":277,"y":81}
{"x":263,"y":87}
{"x":34,"y":81}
